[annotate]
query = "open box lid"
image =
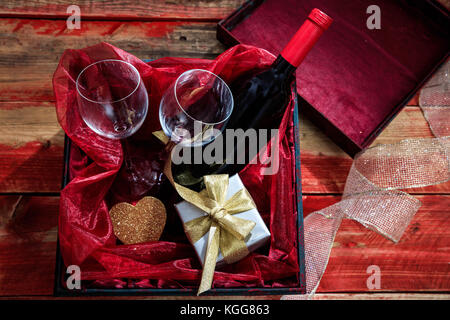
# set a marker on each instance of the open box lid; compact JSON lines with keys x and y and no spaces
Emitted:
{"x":355,"y":80}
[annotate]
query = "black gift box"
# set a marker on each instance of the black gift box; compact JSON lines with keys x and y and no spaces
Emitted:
{"x":61,"y":275}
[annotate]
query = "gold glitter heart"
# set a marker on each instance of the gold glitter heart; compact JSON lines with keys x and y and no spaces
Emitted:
{"x":140,"y":223}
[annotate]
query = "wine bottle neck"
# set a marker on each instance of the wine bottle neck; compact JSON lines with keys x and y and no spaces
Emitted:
{"x":283,"y":68}
{"x":306,"y":37}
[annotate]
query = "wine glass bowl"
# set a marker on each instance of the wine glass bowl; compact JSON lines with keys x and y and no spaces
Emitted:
{"x":195,"y":108}
{"x":112,"y":98}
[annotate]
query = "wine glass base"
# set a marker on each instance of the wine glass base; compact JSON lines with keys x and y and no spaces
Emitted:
{"x":138,"y":177}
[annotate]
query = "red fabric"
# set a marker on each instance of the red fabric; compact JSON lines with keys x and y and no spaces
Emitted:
{"x":85,"y":230}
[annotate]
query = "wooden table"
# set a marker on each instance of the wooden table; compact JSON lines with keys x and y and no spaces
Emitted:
{"x":33,"y":35}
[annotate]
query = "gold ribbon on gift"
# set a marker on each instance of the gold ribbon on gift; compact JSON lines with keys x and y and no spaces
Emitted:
{"x":227,"y":233}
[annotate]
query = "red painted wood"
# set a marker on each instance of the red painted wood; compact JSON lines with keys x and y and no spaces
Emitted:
{"x":32,"y":144}
{"x":125,"y":10}
{"x":8,"y":205}
{"x":35,"y":46}
{"x":31,"y":147}
{"x":28,"y":248}
{"x":419,"y":262}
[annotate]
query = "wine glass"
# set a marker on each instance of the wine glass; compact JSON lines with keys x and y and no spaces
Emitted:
{"x":112,"y":98}
{"x":193,"y":112}
{"x":113,"y":102}
{"x":195,"y":108}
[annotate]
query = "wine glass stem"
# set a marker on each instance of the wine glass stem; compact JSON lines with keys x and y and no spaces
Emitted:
{"x":126,"y":156}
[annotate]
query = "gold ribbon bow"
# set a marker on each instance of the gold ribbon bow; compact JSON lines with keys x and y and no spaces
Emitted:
{"x":227,"y":233}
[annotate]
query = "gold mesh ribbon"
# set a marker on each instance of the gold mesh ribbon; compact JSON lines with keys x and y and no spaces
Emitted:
{"x":373,"y":193}
{"x":227,"y":233}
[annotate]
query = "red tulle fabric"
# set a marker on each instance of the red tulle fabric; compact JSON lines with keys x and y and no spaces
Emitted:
{"x":85,"y":230}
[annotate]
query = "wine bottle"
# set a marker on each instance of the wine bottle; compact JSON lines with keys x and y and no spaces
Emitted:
{"x":260,"y":100}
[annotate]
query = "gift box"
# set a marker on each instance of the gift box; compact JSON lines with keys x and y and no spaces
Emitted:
{"x":169,"y":266}
{"x":259,"y":235}
{"x":357,"y":77}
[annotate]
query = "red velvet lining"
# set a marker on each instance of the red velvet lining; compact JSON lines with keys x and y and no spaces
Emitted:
{"x":356,"y":77}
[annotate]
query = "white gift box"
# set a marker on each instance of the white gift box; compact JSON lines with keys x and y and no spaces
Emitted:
{"x":257,"y":238}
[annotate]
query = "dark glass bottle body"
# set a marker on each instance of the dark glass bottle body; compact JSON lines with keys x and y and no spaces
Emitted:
{"x":260,"y":102}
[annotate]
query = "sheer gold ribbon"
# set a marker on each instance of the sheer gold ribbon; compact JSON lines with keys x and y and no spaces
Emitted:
{"x":227,"y":233}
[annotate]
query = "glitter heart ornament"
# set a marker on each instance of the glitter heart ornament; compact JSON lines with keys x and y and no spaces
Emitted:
{"x":142,"y":222}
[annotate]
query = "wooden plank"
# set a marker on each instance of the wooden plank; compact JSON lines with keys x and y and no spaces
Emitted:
{"x":31,"y":148}
{"x":8,"y":205}
{"x":415,"y":100}
{"x":35,"y":46}
{"x":32,"y":144}
{"x":28,"y":247}
{"x":419,"y":262}
{"x":124,"y":9}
